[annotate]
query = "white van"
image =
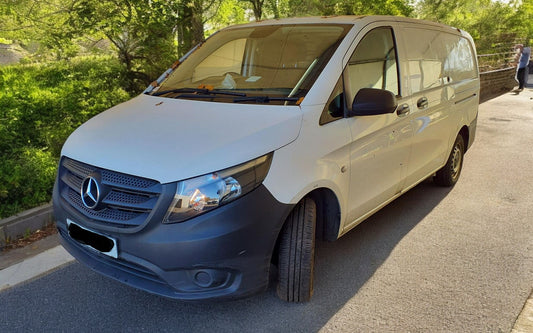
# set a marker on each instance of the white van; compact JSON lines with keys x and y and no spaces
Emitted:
{"x":262,"y":139}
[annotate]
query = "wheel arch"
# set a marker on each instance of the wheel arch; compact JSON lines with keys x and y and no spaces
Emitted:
{"x":328,"y":217}
{"x":465,"y":133}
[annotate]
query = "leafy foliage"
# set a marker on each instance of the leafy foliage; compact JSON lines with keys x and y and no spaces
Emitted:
{"x":40,"y":105}
{"x":26,"y":180}
{"x":494,"y":25}
{"x":227,"y":13}
{"x":141,"y":32}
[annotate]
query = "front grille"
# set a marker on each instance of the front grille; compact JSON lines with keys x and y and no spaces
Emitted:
{"x":128,"y":199}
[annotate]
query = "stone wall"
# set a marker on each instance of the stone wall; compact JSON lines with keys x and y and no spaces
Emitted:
{"x":10,"y":54}
{"x":497,"y":82}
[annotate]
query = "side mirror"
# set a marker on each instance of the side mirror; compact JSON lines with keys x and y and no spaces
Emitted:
{"x":371,"y":102}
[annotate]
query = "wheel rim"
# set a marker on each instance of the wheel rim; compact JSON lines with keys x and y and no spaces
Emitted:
{"x":456,"y":162}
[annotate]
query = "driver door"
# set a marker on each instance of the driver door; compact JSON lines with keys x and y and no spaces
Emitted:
{"x":380,"y":145}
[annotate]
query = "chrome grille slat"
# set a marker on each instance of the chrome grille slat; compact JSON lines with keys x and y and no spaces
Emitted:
{"x":128,"y":199}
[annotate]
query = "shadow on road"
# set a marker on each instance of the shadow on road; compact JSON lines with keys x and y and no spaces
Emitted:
{"x":75,"y":297}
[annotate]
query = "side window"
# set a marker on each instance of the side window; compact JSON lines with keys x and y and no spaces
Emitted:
{"x":373,"y":64}
{"x":442,"y":58}
{"x":335,"y":107}
{"x":459,"y":61}
{"x":425,"y":62}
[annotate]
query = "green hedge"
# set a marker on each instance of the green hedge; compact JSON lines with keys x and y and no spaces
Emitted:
{"x":40,"y":105}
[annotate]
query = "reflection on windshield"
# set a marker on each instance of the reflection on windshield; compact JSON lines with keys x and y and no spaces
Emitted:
{"x":274,"y":61}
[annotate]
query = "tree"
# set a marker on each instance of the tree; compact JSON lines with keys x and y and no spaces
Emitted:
{"x":24,"y":21}
{"x":377,"y":7}
{"x":223,"y":14}
{"x":257,"y":7}
{"x":523,"y":19}
{"x":190,"y":23}
{"x":513,"y":21}
{"x":141,"y":31}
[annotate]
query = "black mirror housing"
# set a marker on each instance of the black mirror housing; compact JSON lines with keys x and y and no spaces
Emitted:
{"x":371,"y":102}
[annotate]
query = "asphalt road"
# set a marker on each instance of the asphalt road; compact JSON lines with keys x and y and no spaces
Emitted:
{"x":434,"y":260}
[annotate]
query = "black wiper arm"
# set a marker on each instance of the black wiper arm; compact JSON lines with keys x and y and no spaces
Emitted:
{"x":199,"y":96}
{"x":193,"y":91}
{"x":265,"y":99}
{"x":179,"y":90}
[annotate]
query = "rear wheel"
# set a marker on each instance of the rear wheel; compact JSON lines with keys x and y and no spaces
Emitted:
{"x":297,"y":253}
{"x":449,"y":174}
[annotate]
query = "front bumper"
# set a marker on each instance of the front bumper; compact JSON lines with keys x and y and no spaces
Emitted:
{"x":225,"y":253}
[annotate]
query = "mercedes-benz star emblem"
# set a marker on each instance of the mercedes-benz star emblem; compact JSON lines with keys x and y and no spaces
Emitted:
{"x":90,"y":192}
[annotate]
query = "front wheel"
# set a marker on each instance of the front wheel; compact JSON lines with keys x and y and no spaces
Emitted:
{"x":297,"y":253}
{"x":449,"y":174}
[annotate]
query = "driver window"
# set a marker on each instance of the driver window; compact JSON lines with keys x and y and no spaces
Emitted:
{"x":373,"y":64}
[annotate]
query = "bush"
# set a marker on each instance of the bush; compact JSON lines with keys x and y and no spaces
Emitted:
{"x":40,"y":105}
{"x":26,"y":180}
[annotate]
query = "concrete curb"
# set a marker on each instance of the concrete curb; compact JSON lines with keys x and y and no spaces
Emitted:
{"x":34,"y":267}
{"x":524,"y":322}
{"x":28,"y":221}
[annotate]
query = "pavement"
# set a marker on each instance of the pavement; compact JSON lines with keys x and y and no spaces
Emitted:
{"x":45,"y":256}
{"x":31,"y":262}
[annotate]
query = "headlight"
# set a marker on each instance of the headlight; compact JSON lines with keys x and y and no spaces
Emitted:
{"x":201,"y":194}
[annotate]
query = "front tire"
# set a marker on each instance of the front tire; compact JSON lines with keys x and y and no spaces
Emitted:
{"x":449,"y":174}
{"x":297,"y":253}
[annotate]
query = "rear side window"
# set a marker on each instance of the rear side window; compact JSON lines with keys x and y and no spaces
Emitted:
{"x":459,"y":63}
{"x":437,"y":58}
{"x":373,"y":63}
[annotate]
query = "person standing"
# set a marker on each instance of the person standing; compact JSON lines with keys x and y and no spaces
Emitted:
{"x":524,"y":54}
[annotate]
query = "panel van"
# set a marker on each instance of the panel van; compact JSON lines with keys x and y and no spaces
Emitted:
{"x":261,"y":140}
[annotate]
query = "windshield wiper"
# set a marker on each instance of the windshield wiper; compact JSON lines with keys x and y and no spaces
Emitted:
{"x":199,"y":96}
{"x":203,"y":93}
{"x":265,"y":99}
{"x":192,"y":91}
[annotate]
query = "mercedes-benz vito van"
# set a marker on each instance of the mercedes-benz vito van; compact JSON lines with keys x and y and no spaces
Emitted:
{"x":265,"y":137}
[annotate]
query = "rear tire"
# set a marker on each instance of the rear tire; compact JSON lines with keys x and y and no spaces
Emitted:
{"x":449,"y":174}
{"x":297,"y":253}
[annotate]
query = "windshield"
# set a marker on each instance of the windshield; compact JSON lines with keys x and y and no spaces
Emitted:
{"x":263,"y":64}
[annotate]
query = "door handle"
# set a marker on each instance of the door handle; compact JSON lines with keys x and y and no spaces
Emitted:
{"x":403,"y":109}
{"x":422,"y":103}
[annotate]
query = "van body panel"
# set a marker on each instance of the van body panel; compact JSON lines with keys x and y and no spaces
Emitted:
{"x":378,"y":156}
{"x":465,"y":103}
{"x":432,"y":128}
{"x":381,"y":144}
{"x":311,"y":138}
{"x":317,"y":160}
{"x":436,"y":122}
{"x":169,"y":139}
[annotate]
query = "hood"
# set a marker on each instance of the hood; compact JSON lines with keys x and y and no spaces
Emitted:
{"x":173,"y":139}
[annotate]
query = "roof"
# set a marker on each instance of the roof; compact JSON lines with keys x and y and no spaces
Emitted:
{"x":363,"y":20}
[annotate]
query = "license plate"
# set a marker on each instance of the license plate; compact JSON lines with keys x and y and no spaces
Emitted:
{"x":92,"y":239}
